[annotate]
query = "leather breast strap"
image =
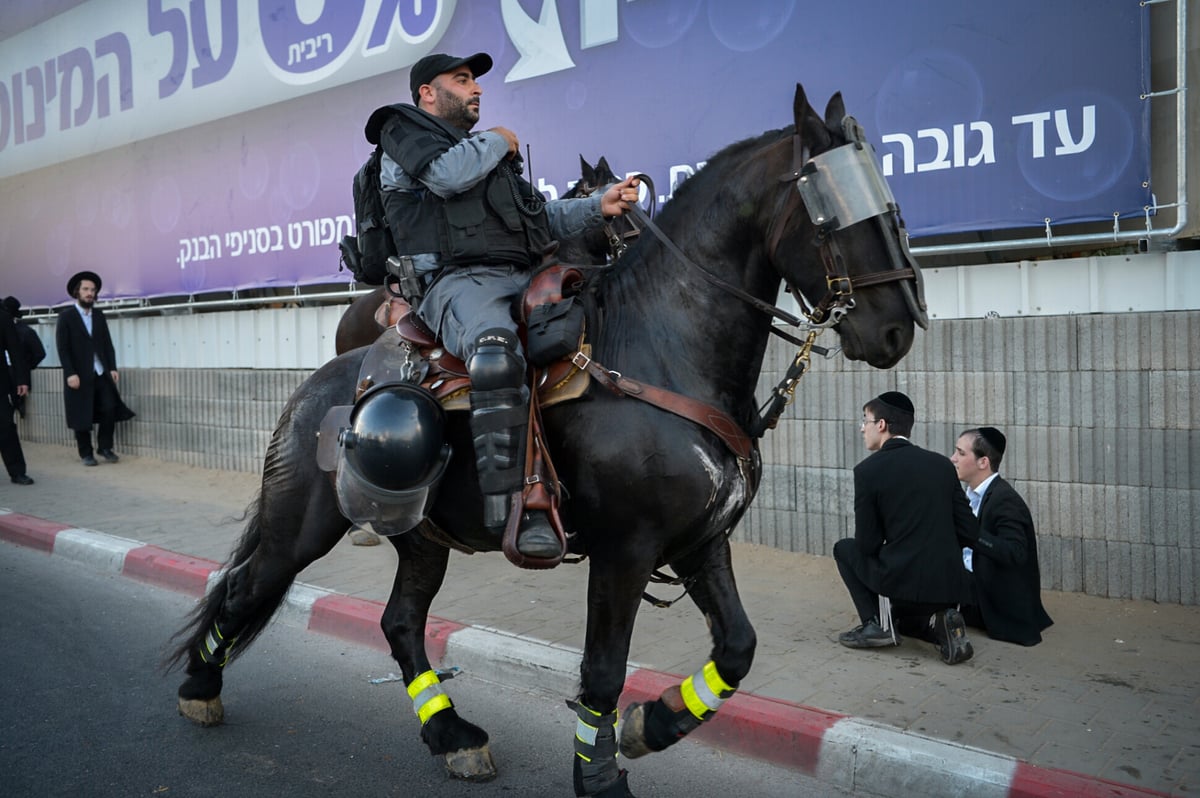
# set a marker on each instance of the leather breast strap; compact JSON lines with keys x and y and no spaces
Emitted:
{"x":719,"y":422}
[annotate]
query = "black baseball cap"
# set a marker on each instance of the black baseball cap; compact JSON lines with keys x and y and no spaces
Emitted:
{"x":429,"y":67}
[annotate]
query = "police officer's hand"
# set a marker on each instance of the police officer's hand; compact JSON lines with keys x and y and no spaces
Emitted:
{"x":73,"y":381}
{"x":115,"y":377}
{"x":514,"y":145}
{"x":616,"y":201}
{"x":22,"y":390}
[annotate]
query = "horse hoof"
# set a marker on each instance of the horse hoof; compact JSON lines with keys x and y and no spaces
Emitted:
{"x":208,"y":712}
{"x":471,"y":764}
{"x":633,"y":733}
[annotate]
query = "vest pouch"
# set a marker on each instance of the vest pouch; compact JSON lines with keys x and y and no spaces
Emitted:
{"x":465,"y":239}
{"x":500,"y":197}
{"x":553,"y":331}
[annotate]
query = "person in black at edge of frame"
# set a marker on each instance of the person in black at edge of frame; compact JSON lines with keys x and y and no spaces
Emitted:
{"x":31,"y":345}
{"x":910,"y":522}
{"x":14,"y":381}
{"x":89,"y":364}
{"x":471,"y":230}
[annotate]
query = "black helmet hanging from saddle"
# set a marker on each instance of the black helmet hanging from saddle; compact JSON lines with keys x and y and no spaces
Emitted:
{"x":387,"y":453}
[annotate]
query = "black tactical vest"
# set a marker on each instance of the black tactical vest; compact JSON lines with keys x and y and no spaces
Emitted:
{"x":498,"y":221}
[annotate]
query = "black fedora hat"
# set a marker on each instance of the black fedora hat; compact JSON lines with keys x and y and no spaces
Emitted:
{"x":79,"y":277}
{"x":13,"y":307}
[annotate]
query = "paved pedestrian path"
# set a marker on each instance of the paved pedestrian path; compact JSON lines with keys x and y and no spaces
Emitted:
{"x":1112,"y":694}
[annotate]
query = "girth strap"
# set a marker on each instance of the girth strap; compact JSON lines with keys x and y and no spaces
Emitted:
{"x":719,"y":422}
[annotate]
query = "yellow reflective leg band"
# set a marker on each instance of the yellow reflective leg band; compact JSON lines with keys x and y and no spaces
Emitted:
{"x":705,"y":691}
{"x":427,"y":696}
{"x":587,"y":733}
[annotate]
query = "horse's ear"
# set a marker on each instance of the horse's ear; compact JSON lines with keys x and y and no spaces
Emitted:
{"x":586,"y":171}
{"x":809,"y":126}
{"x":799,"y":106}
{"x":835,"y":112}
{"x":602,"y":168}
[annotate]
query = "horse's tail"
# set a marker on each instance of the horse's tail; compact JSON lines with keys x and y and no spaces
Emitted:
{"x":201,"y":619}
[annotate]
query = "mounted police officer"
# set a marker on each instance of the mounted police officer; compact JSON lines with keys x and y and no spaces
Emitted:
{"x":469,"y":231}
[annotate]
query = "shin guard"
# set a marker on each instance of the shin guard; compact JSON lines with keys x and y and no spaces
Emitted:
{"x":596,"y":771}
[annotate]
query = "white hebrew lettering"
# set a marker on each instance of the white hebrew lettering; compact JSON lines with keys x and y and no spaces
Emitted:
{"x":906,"y":150}
{"x":1037,"y":127}
{"x":987,"y":149}
{"x":1069,"y":146}
{"x":940,"y":161}
{"x":295,"y":235}
{"x":326,"y":230}
{"x":547,"y":188}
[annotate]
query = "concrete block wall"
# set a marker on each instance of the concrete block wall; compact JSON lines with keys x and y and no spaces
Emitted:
{"x":210,"y":418}
{"x":1102,"y":414}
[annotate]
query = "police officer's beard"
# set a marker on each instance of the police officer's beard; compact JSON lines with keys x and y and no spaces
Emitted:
{"x":456,"y":111}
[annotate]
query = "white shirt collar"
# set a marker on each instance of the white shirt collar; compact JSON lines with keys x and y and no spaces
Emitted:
{"x":983,"y":486}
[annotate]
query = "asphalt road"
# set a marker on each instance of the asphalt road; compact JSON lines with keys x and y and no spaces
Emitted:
{"x":88,"y":712}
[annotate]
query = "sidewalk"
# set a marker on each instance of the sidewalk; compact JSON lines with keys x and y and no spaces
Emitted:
{"x":1108,"y":704}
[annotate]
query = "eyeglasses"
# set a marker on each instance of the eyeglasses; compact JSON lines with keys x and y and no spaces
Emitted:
{"x":866,"y":421}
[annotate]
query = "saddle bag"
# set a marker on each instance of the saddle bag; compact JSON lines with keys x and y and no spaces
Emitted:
{"x":553,"y":331}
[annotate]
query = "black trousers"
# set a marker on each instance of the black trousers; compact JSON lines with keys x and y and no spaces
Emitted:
{"x":105,"y":411}
{"x":10,"y":444}
{"x":911,"y":617}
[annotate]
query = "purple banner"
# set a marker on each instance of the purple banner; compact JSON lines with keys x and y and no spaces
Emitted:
{"x":224,"y":160}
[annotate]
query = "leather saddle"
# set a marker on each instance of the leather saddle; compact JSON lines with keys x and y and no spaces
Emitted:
{"x":446,"y":374}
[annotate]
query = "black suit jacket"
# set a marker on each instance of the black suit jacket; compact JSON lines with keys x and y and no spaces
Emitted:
{"x":1007,"y":582}
{"x":911,"y":521}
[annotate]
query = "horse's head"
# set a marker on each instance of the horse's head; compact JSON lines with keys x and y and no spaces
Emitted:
{"x":597,"y":244}
{"x":870,"y":289}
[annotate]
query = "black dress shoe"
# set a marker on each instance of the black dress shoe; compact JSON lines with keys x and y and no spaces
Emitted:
{"x":109,"y":455}
{"x":24,"y":479}
{"x":869,"y":635}
{"x":89,"y":460}
{"x":951,"y":635}
{"x":536,"y":537}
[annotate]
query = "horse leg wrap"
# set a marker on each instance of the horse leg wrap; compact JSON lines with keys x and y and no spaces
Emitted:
{"x":678,"y":712}
{"x":215,"y":648}
{"x":427,"y":696}
{"x":596,"y":771}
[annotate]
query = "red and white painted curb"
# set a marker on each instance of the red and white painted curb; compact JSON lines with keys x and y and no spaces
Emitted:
{"x":836,"y":749}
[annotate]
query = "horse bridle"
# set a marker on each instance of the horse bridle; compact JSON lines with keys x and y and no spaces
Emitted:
{"x":621,"y":231}
{"x":840,"y":188}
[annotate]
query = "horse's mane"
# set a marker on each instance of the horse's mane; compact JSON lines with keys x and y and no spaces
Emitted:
{"x":713,"y":171}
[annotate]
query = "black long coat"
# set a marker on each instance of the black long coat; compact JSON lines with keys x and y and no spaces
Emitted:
{"x":17,"y":371}
{"x":1007,"y":582}
{"x":911,"y":520}
{"x":76,"y":352}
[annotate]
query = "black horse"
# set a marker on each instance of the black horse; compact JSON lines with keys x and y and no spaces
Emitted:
{"x":359,"y":327}
{"x":646,"y":487}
